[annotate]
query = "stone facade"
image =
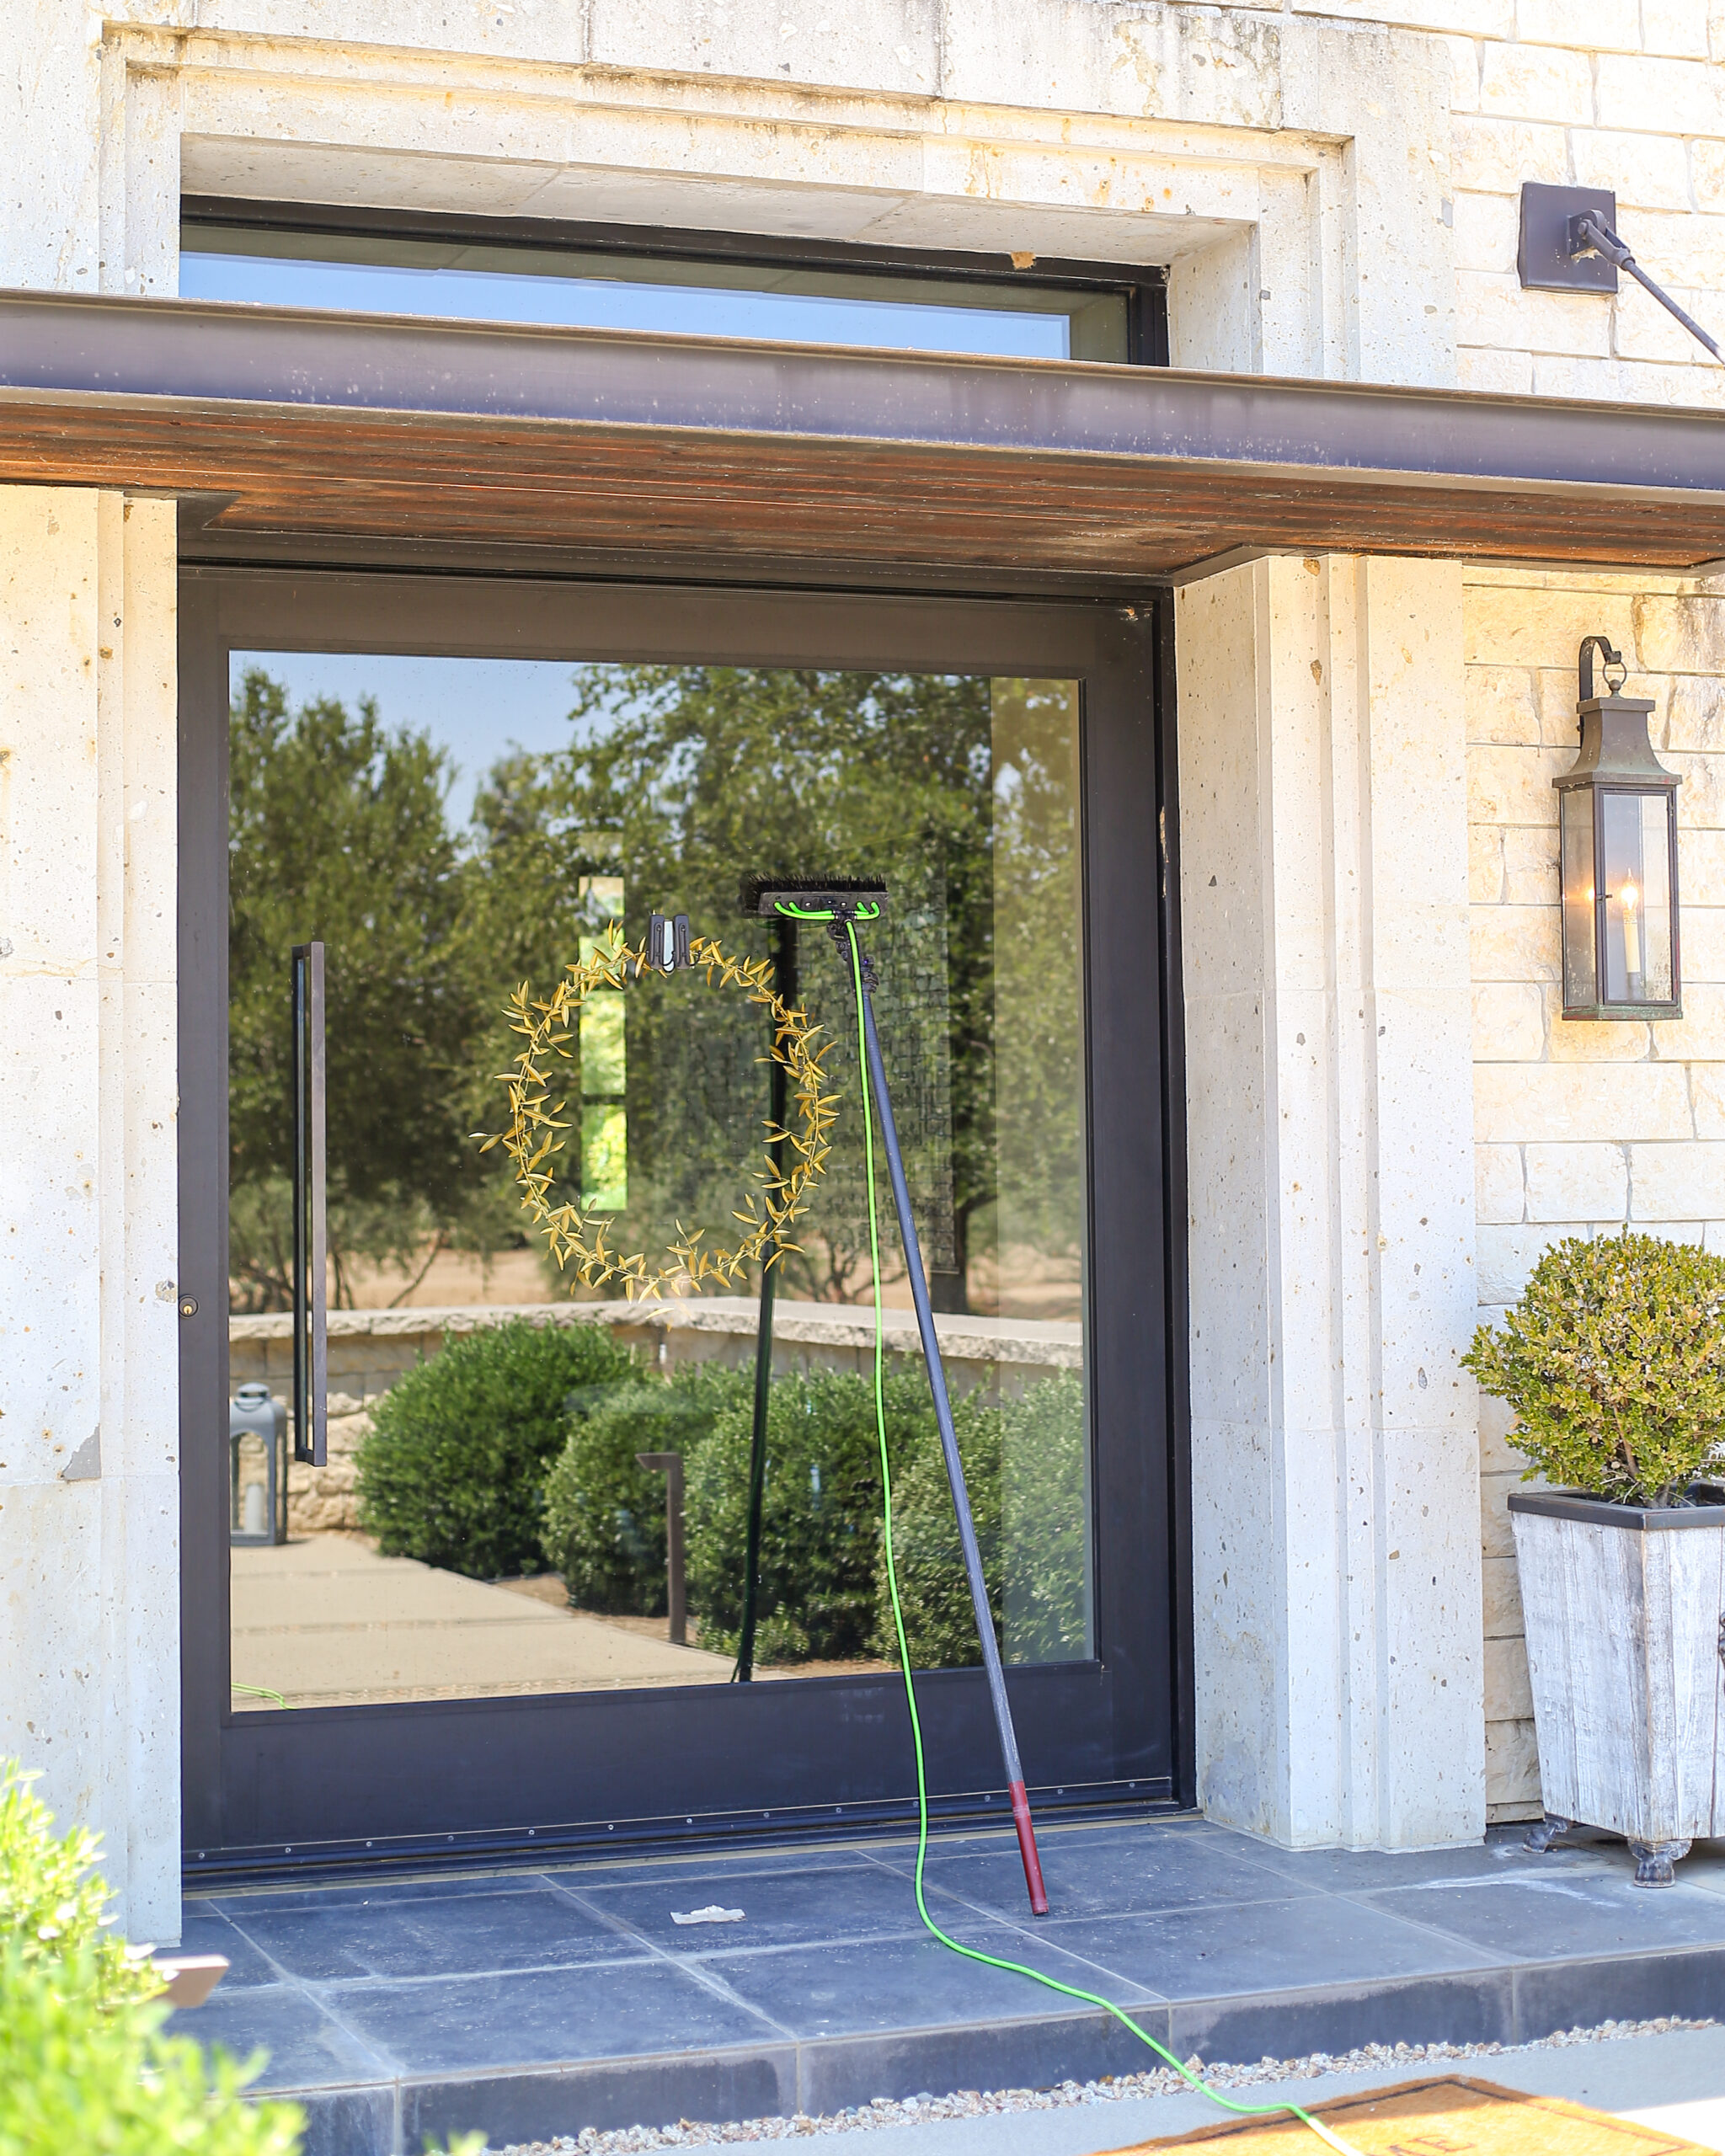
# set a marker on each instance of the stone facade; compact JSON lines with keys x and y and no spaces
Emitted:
{"x":1335,"y":1466}
{"x":1579,"y":1128}
{"x":1334,"y":185}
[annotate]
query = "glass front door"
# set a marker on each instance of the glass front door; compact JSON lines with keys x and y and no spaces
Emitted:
{"x":541,"y":1482}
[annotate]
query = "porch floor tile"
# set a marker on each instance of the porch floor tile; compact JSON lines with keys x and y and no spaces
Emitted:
{"x":529,"y":2004}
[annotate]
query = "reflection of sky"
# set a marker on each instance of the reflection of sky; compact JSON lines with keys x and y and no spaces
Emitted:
{"x":476,"y":708}
{"x":600,"y":303}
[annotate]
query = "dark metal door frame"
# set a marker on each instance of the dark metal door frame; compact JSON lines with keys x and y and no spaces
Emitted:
{"x":268,"y":1789}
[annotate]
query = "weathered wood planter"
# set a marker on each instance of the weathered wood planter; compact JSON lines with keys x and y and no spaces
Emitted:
{"x":1625,"y":1610}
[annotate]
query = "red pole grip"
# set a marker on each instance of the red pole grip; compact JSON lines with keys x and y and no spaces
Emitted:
{"x":1026,"y":1849}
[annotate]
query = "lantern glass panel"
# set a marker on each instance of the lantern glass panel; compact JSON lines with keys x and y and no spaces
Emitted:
{"x":1578,"y":836}
{"x":1637,"y":893}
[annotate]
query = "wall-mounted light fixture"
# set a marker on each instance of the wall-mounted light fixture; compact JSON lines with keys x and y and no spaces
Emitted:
{"x":1617,"y":823}
{"x":1569,"y":243}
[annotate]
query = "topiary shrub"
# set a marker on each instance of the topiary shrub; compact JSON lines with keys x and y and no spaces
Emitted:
{"x":1613,"y":1361}
{"x":83,"y":2062}
{"x":821,"y":1513}
{"x":604,"y":1521}
{"x":452,"y":1470}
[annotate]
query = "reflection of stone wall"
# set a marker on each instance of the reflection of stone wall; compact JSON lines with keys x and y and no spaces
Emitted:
{"x":369,"y":1350}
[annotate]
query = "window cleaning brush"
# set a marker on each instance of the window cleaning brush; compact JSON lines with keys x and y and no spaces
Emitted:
{"x":842,"y":903}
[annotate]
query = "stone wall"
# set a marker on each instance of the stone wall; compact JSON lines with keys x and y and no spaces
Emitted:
{"x":1579,"y":1127}
{"x":1624,"y":94}
{"x":369,"y":1350}
{"x":89,"y":1445}
{"x":1336,"y":1566}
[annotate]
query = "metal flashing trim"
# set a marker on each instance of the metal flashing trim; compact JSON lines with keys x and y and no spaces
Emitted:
{"x":409,"y":428}
{"x":207,"y":352}
{"x":1635,"y":1519}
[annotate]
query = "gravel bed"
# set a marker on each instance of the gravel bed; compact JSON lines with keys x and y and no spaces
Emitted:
{"x":971,"y":2103}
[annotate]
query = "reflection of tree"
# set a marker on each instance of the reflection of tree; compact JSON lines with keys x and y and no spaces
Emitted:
{"x":1038,"y":968}
{"x":694,"y":776}
{"x":679,"y":781}
{"x":337,"y":830}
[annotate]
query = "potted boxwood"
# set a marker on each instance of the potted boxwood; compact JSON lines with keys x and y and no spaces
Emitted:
{"x":1613,"y":1361}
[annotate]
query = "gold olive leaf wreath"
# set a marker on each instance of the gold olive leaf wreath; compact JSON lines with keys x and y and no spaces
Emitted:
{"x":575,"y":1239}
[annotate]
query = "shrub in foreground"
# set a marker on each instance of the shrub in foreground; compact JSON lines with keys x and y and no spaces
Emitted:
{"x":84,"y":2065}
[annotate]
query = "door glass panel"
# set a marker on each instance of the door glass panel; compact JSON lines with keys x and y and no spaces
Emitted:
{"x":452,"y":829}
{"x":786,"y":302}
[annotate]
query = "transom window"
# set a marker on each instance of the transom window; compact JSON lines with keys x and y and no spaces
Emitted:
{"x":714,"y":285}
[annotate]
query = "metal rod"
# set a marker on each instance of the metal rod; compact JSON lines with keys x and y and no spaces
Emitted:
{"x":311,"y":1298}
{"x":955,"y":1471}
{"x":670,"y":1466}
{"x":784,"y":986}
{"x":1591,"y":235}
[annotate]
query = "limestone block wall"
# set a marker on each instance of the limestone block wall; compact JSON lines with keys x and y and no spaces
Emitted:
{"x":1625,"y":94}
{"x":1579,"y":1127}
{"x":370,"y":1351}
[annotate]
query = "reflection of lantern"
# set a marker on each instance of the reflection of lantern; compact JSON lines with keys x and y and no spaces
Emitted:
{"x":1618,"y":830}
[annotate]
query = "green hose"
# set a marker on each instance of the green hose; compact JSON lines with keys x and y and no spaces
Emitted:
{"x":972,"y":1953}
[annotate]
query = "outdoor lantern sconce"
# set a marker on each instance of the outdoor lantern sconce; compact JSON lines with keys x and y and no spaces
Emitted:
{"x":1617,"y":821}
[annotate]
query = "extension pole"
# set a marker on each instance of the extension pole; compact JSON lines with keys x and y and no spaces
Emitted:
{"x":784,"y":986}
{"x":955,"y":1472}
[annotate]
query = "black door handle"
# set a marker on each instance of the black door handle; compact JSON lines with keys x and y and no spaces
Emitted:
{"x":311,"y":1312}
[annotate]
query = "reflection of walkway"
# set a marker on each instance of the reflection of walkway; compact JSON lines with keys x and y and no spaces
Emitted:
{"x":327,"y":1622}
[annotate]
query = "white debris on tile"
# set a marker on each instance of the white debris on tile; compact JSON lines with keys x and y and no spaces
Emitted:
{"x":714,"y":1912}
{"x":970,"y":2103}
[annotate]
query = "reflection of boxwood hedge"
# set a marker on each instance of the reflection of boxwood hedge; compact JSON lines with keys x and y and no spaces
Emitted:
{"x":1024,"y":1469}
{"x":452,"y":1468}
{"x":604,"y":1513}
{"x":819,"y":1514}
{"x":940,"y":1624}
{"x":1045,"y":1520}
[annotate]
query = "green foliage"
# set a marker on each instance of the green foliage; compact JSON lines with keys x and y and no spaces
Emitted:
{"x":337,"y":830}
{"x":83,"y":2064}
{"x":453,"y":1468}
{"x":940,"y":1621}
{"x":1023,"y":1464}
{"x":78,"y":2074}
{"x":1613,"y":1361}
{"x":681,"y":778}
{"x":1038,"y":967}
{"x":604,"y":1513}
{"x":1045,"y":1520}
{"x":819,"y":1514}
{"x":51,"y":1903}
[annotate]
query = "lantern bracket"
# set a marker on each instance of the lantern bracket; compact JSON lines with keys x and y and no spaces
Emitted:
{"x":1610,"y":658}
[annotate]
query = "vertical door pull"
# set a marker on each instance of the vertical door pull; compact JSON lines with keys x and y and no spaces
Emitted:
{"x":311,"y":1312}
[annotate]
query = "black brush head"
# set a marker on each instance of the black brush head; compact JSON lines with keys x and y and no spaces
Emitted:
{"x":819,"y":895}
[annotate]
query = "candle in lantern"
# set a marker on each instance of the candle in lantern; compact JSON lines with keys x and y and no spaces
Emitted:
{"x":1631,"y":930}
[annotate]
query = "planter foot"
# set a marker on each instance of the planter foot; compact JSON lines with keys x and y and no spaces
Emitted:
{"x":1540,"y":1836}
{"x":1653,"y":1861}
